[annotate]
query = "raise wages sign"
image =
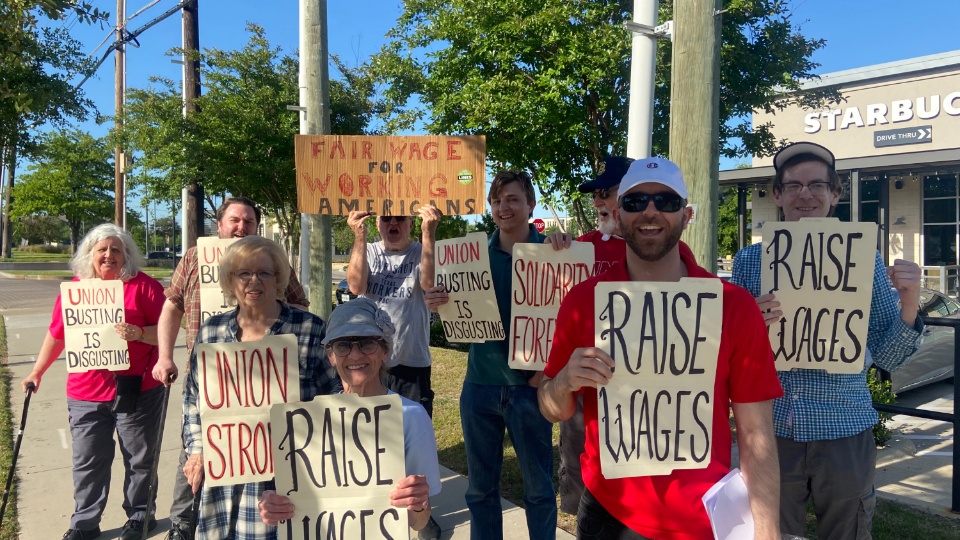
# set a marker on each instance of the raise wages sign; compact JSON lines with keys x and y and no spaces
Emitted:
{"x":209,"y":251}
{"x":390,"y":175}
{"x":656,"y":413}
{"x":238,"y":383}
{"x":463,"y":268}
{"x":542,"y":277}
{"x":90,"y":309}
{"x":821,"y":271}
{"x":338,"y":460}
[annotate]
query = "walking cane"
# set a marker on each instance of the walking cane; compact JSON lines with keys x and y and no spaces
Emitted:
{"x":31,"y":388}
{"x":156,"y":458}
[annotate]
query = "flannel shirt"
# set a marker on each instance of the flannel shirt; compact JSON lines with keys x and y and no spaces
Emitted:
{"x":184,"y":292}
{"x":818,"y":406}
{"x":230,"y":512}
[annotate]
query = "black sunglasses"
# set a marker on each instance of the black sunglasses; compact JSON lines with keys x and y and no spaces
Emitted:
{"x":664,"y":202}
{"x":388,"y":219}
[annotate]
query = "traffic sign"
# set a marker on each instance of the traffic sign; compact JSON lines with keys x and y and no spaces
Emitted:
{"x":540,"y":225}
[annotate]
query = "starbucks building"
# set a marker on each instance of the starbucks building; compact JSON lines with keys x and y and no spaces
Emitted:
{"x":896,"y":137}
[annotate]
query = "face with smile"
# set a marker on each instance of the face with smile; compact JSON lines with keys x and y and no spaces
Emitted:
{"x":359,"y":370}
{"x":395,"y":231}
{"x":255,"y":282}
{"x":605,"y":202}
{"x":651,"y":233}
{"x":808,"y":202}
{"x":510,"y":208}
{"x":108,"y":258}
{"x":238,"y":220}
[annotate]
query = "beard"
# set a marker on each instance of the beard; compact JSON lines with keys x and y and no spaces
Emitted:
{"x":651,"y":251}
{"x":607,"y":226}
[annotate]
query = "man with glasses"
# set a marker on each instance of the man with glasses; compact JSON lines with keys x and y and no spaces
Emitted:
{"x":824,"y":422}
{"x":394,"y":273}
{"x":652,"y":214}
{"x":237,"y":217}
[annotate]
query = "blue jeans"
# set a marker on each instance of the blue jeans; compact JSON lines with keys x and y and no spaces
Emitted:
{"x":485,"y":410}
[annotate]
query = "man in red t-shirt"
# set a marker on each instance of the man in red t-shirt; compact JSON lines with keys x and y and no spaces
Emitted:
{"x":667,"y":506}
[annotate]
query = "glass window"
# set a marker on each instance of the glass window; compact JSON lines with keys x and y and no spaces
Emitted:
{"x":940,"y":210}
{"x":870,"y":211}
{"x":869,"y":190}
{"x":842,"y":211}
{"x":944,"y":185}
{"x":939,"y":245}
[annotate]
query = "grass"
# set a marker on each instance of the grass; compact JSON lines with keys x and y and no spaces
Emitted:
{"x":156,"y":273}
{"x":892,"y":521}
{"x":11,"y":527}
{"x":27,"y":256}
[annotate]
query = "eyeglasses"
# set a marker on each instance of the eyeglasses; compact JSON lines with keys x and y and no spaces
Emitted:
{"x":388,"y":219}
{"x":816,"y":188}
{"x":601,"y":193}
{"x":262,"y":275}
{"x":664,"y":202}
{"x":343,"y":347}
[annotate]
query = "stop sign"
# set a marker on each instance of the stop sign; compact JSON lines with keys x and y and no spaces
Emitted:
{"x":540,"y":225}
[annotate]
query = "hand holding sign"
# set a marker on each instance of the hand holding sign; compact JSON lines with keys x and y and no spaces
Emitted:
{"x":275,"y":508}
{"x":769,"y":307}
{"x":411,"y":492}
{"x":588,"y":366}
{"x":357,"y":221}
{"x":905,"y":277}
{"x":431,"y":218}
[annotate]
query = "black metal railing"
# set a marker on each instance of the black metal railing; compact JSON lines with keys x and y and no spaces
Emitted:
{"x":951,"y":418}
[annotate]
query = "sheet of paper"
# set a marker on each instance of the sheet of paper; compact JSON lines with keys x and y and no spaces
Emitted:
{"x":728,"y":507}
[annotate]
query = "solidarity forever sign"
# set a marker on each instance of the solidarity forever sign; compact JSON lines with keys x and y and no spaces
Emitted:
{"x":209,"y":251}
{"x":656,"y":413}
{"x":390,"y":175}
{"x":238,"y":383}
{"x":463,"y":268}
{"x":821,"y":271}
{"x":338,"y":458}
{"x":541,"y":279}
{"x":90,"y":309}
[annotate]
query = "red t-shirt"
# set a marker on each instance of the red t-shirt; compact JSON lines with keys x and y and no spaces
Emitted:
{"x":142,"y":303}
{"x":608,"y":250}
{"x":670,"y":506}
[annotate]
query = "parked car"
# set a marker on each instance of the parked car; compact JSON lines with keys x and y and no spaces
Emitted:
{"x":343,"y":293}
{"x":160,"y":255}
{"x":933,"y":361}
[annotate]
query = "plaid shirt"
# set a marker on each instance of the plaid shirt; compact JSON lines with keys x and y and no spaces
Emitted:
{"x":819,"y":406}
{"x":184,"y":292}
{"x":230,"y":512}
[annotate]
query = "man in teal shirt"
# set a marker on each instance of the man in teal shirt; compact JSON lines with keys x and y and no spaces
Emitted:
{"x":495,"y":397}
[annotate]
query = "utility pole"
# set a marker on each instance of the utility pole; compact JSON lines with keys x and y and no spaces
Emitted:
{"x":315,"y":97}
{"x":193,"y":202}
{"x":695,"y":117}
{"x":120,"y":77}
{"x":643,"y":67}
{"x":9,"y":164}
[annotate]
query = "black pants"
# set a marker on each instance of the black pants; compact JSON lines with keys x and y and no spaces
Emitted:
{"x":412,"y":383}
{"x":595,"y":523}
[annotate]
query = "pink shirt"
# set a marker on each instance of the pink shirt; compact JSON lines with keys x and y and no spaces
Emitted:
{"x":142,"y":302}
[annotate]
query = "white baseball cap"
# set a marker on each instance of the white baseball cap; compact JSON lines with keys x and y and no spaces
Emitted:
{"x":659,"y":170}
{"x":798,"y":148}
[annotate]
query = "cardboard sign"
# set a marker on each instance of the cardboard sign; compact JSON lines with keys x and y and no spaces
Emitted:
{"x":338,"y":459}
{"x":463,"y":268}
{"x":822,"y":273}
{"x":209,"y":251}
{"x":656,"y":413}
{"x":239,"y":382}
{"x":542,"y":277}
{"x":90,"y":309}
{"x":390,"y":175}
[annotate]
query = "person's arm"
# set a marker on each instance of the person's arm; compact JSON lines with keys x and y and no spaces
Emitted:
{"x":434,"y":297}
{"x":357,"y":269}
{"x":132,"y":332}
{"x":50,"y":350}
{"x":413,"y":493}
{"x":588,"y":366}
{"x":758,"y":462}
{"x":192,"y":441}
{"x":430,"y":217}
{"x":894,"y":333}
{"x":167,"y":330}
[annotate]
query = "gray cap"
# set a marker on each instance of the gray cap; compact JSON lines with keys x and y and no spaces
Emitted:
{"x":359,"y":318}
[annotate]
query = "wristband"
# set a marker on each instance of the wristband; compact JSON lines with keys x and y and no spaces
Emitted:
{"x":420,"y":510}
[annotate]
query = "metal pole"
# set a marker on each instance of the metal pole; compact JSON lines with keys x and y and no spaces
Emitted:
{"x":643,"y":67}
{"x":304,"y":218}
{"x":193,"y":203}
{"x":119,"y":80}
{"x":741,"y":216}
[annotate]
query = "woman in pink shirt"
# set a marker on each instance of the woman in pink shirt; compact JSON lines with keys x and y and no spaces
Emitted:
{"x":108,"y":252}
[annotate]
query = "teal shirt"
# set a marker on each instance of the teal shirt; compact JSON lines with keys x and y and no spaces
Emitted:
{"x":487,"y":361}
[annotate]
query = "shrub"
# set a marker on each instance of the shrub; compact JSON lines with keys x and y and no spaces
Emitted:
{"x":881,"y":392}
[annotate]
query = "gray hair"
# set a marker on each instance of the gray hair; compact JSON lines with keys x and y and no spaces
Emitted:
{"x":82,"y":262}
{"x":244,"y":249}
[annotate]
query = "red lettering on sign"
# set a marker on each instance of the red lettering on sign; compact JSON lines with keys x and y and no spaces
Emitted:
{"x":452,"y":150}
{"x":441,"y":191}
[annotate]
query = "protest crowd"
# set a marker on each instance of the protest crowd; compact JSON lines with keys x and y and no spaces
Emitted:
{"x":620,"y":335}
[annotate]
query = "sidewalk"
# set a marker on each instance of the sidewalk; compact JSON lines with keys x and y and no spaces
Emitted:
{"x":44,"y":467}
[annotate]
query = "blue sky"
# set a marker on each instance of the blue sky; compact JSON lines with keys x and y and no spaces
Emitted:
{"x":858,"y":33}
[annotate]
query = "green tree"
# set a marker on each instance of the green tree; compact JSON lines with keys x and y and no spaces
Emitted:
{"x":547,"y":80}
{"x":40,"y":229}
{"x":72,"y":177}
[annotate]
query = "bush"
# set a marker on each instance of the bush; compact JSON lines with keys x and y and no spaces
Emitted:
{"x":439,"y":339}
{"x":45,"y":248}
{"x":881,"y":392}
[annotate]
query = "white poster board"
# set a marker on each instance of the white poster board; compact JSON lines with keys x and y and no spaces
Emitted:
{"x":238,"y":384}
{"x":542,"y":277}
{"x":656,"y":413}
{"x":463,"y":268}
{"x":821,"y":271}
{"x":90,"y":309}
{"x":338,"y":459}
{"x":209,"y":251}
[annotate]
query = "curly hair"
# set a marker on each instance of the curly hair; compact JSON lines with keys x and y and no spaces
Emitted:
{"x":245,"y":249}
{"x":82,"y":262}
